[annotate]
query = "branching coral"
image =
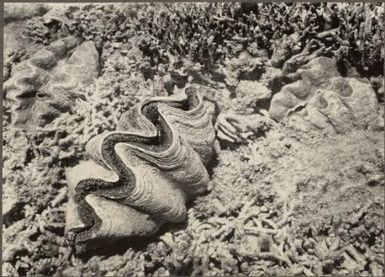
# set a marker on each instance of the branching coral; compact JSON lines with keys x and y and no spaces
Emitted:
{"x":220,"y":245}
{"x":43,"y":86}
{"x":144,"y":172}
{"x":208,"y":33}
{"x":350,"y":32}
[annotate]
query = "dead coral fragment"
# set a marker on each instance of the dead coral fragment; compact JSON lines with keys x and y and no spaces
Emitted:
{"x":141,"y":176}
{"x":240,"y":128}
{"x":42,"y":87}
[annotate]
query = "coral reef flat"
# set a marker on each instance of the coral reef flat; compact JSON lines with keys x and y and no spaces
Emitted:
{"x":193,"y":139}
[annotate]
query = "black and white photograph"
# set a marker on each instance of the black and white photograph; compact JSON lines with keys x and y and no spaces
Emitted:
{"x":193,"y":139}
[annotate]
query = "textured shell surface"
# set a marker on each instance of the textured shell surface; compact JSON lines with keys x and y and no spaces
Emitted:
{"x":324,"y":100}
{"x":142,"y":175}
{"x":42,"y":87}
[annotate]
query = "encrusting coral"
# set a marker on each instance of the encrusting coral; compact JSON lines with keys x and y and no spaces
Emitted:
{"x":141,"y":175}
{"x":42,"y":87}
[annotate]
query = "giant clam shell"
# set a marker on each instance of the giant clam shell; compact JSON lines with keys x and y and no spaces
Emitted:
{"x":323,"y":100}
{"x":142,"y":175}
{"x":42,"y":87}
